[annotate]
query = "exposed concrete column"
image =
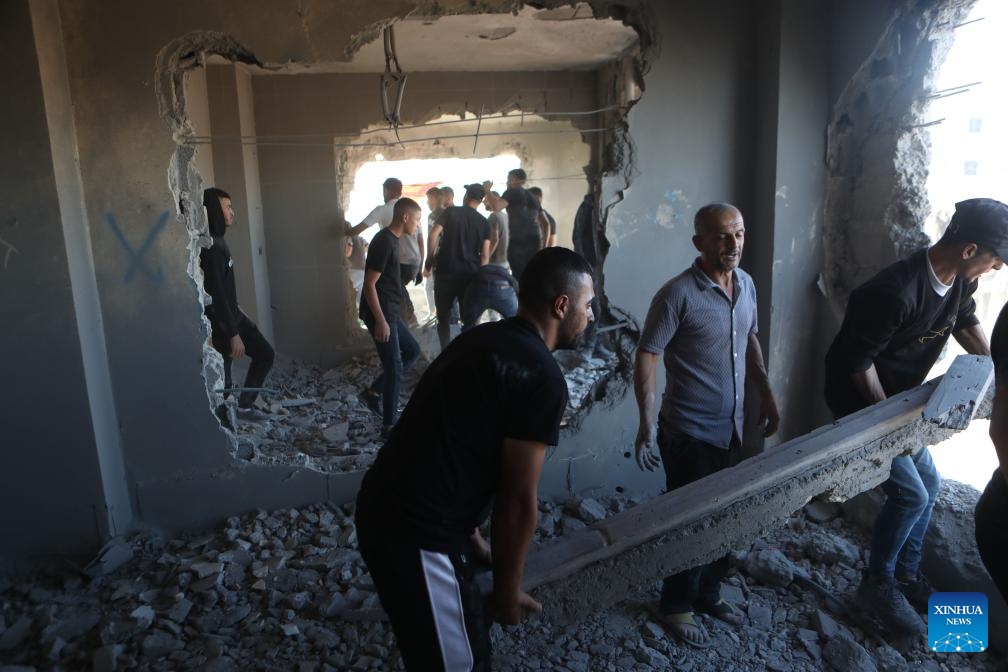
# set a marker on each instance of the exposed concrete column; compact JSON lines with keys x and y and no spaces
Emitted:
{"x":253,"y":202}
{"x":117,"y":515}
{"x":198,"y":107}
{"x":236,"y":169}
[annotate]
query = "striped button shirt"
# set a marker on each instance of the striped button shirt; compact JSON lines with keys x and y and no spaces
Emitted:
{"x":703,"y":337}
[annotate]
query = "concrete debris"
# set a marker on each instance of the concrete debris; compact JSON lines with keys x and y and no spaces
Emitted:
{"x":113,"y":555}
{"x":847,"y":656}
{"x":828,"y":548}
{"x":821,"y":512}
{"x":316,"y":420}
{"x":771,"y":567}
{"x":288,"y":591}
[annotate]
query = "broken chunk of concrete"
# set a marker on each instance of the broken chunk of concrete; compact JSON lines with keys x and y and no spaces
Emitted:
{"x":845,"y":655}
{"x":205,"y":569}
{"x":113,"y":555}
{"x":770,"y":567}
{"x":144,"y":616}
{"x":591,"y":510}
{"x":828,"y":548}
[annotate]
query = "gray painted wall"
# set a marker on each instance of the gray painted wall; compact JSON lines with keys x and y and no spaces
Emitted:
{"x":50,"y":488}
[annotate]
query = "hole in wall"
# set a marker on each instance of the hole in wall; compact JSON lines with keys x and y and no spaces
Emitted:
{"x":294,"y":171}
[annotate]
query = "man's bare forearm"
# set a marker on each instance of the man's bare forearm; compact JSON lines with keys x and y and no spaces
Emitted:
{"x":755,"y":365}
{"x":868,"y":385}
{"x":645,"y":366}
{"x":973,"y":340}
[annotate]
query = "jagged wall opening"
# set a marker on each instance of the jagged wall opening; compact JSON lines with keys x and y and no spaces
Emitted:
{"x":878,"y":148}
{"x":620,"y":83}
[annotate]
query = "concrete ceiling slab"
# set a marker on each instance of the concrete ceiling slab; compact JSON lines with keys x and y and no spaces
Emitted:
{"x":567,"y":38}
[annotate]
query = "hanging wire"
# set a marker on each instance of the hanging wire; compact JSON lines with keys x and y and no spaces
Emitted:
{"x":448,"y":122}
{"x":393,"y":75}
{"x":254,"y":140}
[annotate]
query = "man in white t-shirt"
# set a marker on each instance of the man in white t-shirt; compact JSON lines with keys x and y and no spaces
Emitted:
{"x":411,"y":250}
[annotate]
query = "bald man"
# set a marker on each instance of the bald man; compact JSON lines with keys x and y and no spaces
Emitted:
{"x":703,"y":321}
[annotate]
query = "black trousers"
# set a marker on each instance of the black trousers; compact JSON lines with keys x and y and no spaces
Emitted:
{"x":447,"y":290}
{"x":991,"y":525}
{"x":432,"y":601}
{"x":685,"y":460}
{"x":257,"y":348}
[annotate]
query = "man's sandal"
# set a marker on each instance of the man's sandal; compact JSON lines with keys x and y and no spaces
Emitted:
{"x":687,"y":630}
{"x":722,"y":610}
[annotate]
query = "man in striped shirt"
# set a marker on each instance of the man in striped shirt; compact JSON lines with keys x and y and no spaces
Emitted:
{"x":704,"y":323}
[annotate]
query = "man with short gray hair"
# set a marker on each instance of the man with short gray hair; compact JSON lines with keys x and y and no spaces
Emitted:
{"x":704,"y":323}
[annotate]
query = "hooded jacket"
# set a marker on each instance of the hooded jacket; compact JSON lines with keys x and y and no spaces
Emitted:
{"x":218,"y":272}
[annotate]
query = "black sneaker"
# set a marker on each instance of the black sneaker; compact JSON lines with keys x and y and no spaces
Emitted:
{"x":917,"y":590}
{"x":371,"y":401}
{"x":251,"y":414}
{"x":881,"y":598}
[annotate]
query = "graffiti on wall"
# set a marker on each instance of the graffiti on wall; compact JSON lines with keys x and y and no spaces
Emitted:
{"x":136,"y":257}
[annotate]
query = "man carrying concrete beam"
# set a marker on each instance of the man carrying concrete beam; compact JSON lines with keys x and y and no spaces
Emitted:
{"x":992,"y":507}
{"x":232,"y":333}
{"x":411,"y":252}
{"x":704,"y":321}
{"x":473,"y":436}
{"x":894,"y":329}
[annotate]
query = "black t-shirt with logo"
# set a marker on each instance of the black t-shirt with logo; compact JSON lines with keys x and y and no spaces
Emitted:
{"x":383,"y":256}
{"x":435,"y":478}
{"x":463,"y":231}
{"x":899,"y":323}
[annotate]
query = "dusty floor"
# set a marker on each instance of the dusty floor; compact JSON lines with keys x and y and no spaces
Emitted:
{"x":286,"y":590}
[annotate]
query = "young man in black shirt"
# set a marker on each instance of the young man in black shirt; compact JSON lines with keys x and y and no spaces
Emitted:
{"x":894,"y":329}
{"x":460,"y":245}
{"x":473,"y":436}
{"x":381,"y":300}
{"x":537,"y":194}
{"x":233,"y":334}
{"x":992,"y":507}
{"x":527,"y":224}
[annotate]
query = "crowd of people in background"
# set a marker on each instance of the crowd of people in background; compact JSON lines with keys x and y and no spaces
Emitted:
{"x":470,"y":264}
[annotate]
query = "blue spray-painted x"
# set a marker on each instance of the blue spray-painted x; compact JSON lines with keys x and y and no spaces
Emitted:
{"x":136,"y":258}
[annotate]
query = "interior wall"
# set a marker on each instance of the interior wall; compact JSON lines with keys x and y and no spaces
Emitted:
{"x":51,"y":499}
{"x":302,"y":191}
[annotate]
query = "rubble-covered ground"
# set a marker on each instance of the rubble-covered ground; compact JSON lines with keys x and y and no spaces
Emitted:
{"x":286,"y":590}
{"x":315,"y":419}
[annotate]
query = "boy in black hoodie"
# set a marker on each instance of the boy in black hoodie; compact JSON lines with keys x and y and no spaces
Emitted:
{"x":233,"y":334}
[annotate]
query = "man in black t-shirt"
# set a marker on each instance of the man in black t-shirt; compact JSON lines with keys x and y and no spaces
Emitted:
{"x":460,"y":245}
{"x":992,"y":507}
{"x":527,"y":225}
{"x":894,"y":329}
{"x":381,"y":300}
{"x":537,"y":194}
{"x":473,"y":436}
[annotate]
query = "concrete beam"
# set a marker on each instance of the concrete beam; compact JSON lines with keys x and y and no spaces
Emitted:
{"x":596,"y":567}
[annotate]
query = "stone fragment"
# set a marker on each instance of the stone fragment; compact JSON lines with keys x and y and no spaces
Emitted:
{"x":828,"y":548}
{"x":591,"y":510}
{"x":205,"y":569}
{"x":571,"y":524}
{"x":810,"y":640}
{"x":290,"y":630}
{"x":336,"y":433}
{"x":889,"y":659}
{"x":106,"y":658}
{"x":824,"y":623}
{"x":821,"y":512}
{"x":845,"y":655}
{"x":159,"y":644}
{"x":770,"y":567}
{"x":144,"y":616}
{"x":761,"y":616}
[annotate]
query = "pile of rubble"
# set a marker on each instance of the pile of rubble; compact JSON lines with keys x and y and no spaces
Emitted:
{"x":287,"y":590}
{"x":313,"y":417}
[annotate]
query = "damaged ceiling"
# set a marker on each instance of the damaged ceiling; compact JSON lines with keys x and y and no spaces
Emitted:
{"x":567,"y":38}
